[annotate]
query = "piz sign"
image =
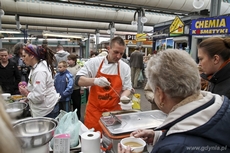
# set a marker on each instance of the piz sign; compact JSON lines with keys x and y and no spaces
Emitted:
{"x":130,"y":37}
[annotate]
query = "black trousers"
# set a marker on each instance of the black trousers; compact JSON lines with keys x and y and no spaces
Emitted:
{"x":76,"y":99}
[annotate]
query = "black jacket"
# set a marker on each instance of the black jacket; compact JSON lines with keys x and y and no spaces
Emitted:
{"x":220,"y":81}
{"x":9,"y":78}
{"x":25,"y":70}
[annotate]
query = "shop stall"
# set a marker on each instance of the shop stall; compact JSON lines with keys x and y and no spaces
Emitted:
{"x":173,"y":34}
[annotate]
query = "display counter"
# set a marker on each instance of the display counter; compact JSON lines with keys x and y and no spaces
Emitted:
{"x":114,"y":131}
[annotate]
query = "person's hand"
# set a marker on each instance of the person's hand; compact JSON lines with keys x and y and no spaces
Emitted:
{"x":23,"y":91}
{"x":102,"y":82}
{"x":22,"y":84}
{"x":124,"y":98}
{"x":122,"y":150}
{"x":146,"y":135}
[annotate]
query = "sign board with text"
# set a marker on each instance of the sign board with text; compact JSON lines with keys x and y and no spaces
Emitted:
{"x":141,"y":37}
{"x":210,"y":26}
{"x":177,"y":27}
{"x":134,"y":42}
{"x":130,"y":37}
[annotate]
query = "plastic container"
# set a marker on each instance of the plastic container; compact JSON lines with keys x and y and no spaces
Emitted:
{"x":133,"y":140}
{"x":61,"y":143}
{"x":126,"y":106}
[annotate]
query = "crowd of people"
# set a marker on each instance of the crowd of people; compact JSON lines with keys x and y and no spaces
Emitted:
{"x":47,"y":91}
{"x":194,"y":96}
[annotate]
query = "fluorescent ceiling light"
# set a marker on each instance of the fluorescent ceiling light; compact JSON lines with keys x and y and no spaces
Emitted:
{"x":51,"y":39}
{"x":10,"y":31}
{"x":14,"y":38}
{"x":47,"y":33}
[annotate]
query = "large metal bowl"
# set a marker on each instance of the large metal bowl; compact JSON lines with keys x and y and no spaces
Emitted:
{"x":16,"y":109}
{"x":35,"y":132}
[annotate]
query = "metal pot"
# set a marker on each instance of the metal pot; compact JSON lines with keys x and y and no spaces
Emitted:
{"x":35,"y":132}
{"x":16,"y":109}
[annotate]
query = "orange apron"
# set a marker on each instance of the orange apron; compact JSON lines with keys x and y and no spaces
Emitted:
{"x":102,"y":99}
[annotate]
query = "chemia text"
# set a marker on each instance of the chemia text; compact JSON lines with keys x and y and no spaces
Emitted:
{"x":214,"y":26}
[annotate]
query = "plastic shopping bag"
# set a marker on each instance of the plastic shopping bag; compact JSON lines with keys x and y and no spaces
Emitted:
{"x":61,"y":114}
{"x":136,"y":99}
{"x":141,"y":77}
{"x":68,"y":124}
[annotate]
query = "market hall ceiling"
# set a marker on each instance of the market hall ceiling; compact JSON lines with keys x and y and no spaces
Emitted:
{"x":84,"y":16}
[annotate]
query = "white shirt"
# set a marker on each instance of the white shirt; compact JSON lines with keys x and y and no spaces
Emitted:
{"x":42,"y":94}
{"x":92,"y":65}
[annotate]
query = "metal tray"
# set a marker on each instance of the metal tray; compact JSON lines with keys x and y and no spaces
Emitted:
{"x":134,"y":121}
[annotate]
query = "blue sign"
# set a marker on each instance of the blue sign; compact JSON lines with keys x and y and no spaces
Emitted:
{"x":211,"y":26}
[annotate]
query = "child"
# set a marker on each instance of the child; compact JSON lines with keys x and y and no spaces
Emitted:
{"x":73,"y":68}
{"x":64,"y":85}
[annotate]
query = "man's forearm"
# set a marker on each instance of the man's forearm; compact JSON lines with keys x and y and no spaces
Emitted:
{"x":125,"y":93}
{"x":84,"y":81}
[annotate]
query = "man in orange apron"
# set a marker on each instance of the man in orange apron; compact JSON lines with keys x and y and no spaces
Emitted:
{"x":109,"y":78}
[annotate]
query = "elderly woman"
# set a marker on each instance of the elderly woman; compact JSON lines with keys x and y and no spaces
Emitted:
{"x":197,"y":120}
{"x":40,"y":92}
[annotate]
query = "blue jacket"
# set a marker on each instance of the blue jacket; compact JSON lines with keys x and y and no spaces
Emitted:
{"x":203,"y":129}
{"x":63,"y":83}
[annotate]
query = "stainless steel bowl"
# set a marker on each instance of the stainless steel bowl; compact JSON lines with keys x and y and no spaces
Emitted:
{"x":16,"y":109}
{"x":35,"y":132}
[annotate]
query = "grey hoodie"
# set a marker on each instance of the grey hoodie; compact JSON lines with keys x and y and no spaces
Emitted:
{"x":61,"y":55}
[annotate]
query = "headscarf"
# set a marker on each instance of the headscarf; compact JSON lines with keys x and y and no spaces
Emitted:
{"x":38,"y":52}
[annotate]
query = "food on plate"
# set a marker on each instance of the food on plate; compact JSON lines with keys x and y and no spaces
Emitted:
{"x":125,"y":99}
{"x":16,"y":97}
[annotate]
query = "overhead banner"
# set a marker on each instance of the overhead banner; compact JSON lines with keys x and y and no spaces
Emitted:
{"x":134,"y":42}
{"x":141,"y":37}
{"x":130,"y":37}
{"x":211,"y":26}
{"x":177,"y":27}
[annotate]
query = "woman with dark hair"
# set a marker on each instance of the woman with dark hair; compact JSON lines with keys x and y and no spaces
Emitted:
{"x":40,"y":92}
{"x":17,"y":58}
{"x":214,"y":59}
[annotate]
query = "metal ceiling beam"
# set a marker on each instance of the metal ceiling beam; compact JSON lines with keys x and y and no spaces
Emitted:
{"x":61,"y":26}
{"x":103,"y":3}
{"x":71,"y":18}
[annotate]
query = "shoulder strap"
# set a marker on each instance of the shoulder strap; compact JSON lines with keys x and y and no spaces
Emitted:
{"x":166,"y":127}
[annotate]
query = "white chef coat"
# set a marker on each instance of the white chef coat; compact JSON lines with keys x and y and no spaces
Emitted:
{"x":92,"y":65}
{"x":42,"y":94}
